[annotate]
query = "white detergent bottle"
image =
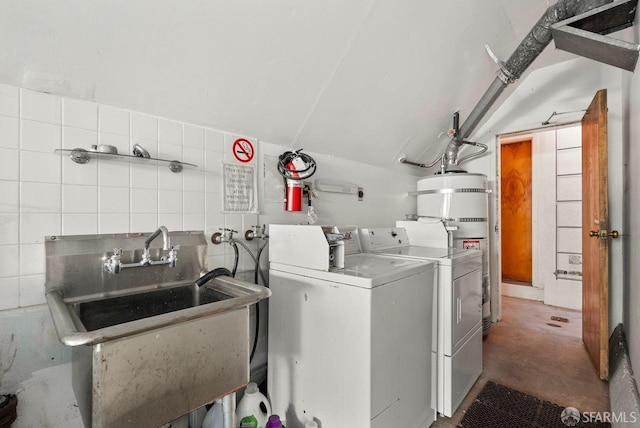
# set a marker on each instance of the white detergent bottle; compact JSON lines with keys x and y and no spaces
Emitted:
{"x":214,"y":416}
{"x":249,"y":413}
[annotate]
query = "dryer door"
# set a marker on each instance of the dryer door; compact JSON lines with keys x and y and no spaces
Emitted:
{"x":466,"y":310}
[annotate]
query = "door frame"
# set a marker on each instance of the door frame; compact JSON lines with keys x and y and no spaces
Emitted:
{"x":499,"y":139}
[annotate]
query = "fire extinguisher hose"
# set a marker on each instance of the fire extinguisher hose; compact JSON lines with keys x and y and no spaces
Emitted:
{"x":288,"y":173}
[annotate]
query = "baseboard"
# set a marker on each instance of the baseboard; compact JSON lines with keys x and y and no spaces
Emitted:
{"x":522,"y":291}
{"x":623,"y":390}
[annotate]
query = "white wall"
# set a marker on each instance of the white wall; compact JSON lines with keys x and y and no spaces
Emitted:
{"x":320,"y":75}
{"x":42,"y":193}
{"x":563,"y":87}
{"x":385,"y":199}
{"x":543,"y":180}
{"x":631,"y":195}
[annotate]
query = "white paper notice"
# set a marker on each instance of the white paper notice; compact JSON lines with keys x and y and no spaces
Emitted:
{"x":239,"y":188}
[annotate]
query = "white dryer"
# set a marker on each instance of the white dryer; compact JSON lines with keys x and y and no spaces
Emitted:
{"x":346,"y":343}
{"x":458,"y":313}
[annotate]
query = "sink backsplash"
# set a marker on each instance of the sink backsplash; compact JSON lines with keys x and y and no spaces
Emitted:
{"x":75,"y":263}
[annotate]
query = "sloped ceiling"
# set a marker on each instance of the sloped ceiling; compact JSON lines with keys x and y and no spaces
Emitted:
{"x":362,"y":79}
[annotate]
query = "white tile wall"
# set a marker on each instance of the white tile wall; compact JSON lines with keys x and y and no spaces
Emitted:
{"x":39,"y":136}
{"x":10,"y":293}
{"x":113,"y":200}
{"x":32,"y":290}
{"x":79,"y":199}
{"x":9,"y":132}
{"x":40,"y":167}
{"x":80,"y":224}
{"x":80,"y":114}
{"x":78,"y":138}
{"x":9,"y":227}
{"x":169,"y":132}
{"x":9,"y":252}
{"x":39,"y":106}
{"x":34,"y":227}
{"x":569,"y":240}
{"x":169,"y":201}
{"x":113,"y":223}
{"x":194,"y":136}
{"x":113,"y":120}
{"x":569,"y":188}
{"x":32,"y":260}
{"x":143,"y":126}
{"x":569,"y":214}
{"x":9,"y":164}
{"x":39,"y":197}
{"x":9,"y":196}
{"x":43,"y":193}
{"x":569,"y":161}
{"x":9,"y":101}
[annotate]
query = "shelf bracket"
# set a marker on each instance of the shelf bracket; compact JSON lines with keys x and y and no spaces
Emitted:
{"x":585,"y":34}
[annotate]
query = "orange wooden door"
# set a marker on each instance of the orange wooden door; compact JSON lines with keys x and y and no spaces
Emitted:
{"x":516,"y":210}
{"x":595,"y":234}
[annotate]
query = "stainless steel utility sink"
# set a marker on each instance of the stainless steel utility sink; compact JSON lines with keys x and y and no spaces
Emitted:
{"x":97,"y":314}
{"x":91,"y":320}
{"x":147,"y":336}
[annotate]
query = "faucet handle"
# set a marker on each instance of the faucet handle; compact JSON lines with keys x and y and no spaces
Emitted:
{"x":113,"y":265}
{"x":256,"y":231}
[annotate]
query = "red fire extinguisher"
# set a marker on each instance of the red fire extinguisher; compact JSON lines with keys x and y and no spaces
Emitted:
{"x":295,"y":167}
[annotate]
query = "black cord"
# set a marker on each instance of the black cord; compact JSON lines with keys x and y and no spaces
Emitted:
{"x":255,"y":279}
{"x":212,"y":274}
{"x":235,"y":261}
{"x":257,"y":270}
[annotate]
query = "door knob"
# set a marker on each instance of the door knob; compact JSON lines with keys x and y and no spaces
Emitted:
{"x":603,"y":234}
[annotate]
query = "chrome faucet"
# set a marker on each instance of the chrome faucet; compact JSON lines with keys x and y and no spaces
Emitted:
{"x":166,"y":244}
{"x":114,"y":265}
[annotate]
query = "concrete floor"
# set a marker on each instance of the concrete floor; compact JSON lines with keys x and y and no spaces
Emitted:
{"x":550,"y":362}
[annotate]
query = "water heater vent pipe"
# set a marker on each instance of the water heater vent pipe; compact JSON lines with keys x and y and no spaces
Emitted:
{"x":531,"y":46}
{"x":527,"y":51}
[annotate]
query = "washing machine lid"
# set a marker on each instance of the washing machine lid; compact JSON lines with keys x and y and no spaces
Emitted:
{"x":364,"y":270}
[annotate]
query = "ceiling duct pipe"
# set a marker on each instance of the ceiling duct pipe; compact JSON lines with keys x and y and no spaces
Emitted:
{"x":528,"y":50}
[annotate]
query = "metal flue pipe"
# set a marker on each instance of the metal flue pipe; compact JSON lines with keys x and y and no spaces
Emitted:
{"x":528,"y":50}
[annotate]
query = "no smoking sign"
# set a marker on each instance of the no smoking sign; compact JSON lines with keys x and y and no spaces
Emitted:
{"x":243,"y":150}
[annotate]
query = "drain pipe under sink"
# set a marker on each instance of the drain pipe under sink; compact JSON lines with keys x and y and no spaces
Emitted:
{"x":229,"y":411}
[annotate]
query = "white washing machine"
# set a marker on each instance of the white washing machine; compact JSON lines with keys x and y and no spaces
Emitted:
{"x":347,"y":343}
{"x":459,"y":309}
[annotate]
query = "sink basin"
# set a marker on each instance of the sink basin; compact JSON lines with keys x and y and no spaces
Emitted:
{"x":148,"y":344}
{"x":95,"y":320}
{"x":99,"y":314}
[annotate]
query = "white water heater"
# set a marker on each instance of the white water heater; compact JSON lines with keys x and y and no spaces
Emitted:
{"x":461,"y":201}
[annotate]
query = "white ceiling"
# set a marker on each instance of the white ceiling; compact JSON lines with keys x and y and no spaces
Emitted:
{"x":362,"y":79}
